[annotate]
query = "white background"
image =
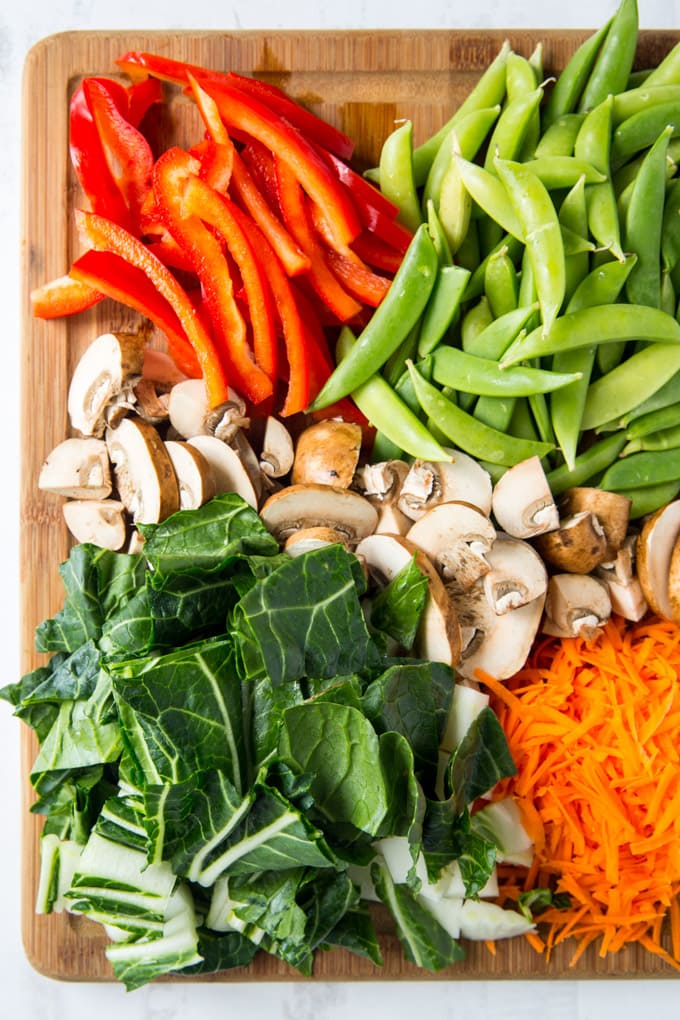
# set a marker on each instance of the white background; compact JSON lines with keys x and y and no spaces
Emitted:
{"x":25,"y":994}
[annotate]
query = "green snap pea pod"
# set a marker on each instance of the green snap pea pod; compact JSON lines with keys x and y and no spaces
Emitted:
{"x":664,"y":439}
{"x":389,"y":413}
{"x":588,"y":465}
{"x":394,"y":367}
{"x":467,"y":372}
{"x":541,"y":412}
{"x":667,"y":394}
{"x":654,"y":421}
{"x":572,"y":80}
{"x":475,"y":321}
{"x":498,"y":334}
{"x":670,"y":227}
{"x":468,"y":255}
{"x":490,"y":234}
{"x":491,"y":196}
{"x":624,"y":196}
{"x":406,"y":390}
{"x":465,"y":138}
{"x":536,"y":62}
{"x":573,"y":215}
{"x":397,"y":182}
{"x":644,"y":220}
{"x":593,"y":145}
{"x":470,"y":435}
{"x":601,"y":324}
{"x":625,"y":176}
{"x":650,"y":498}
{"x":438,"y":236}
{"x":603,"y":285}
{"x":627,"y":104}
{"x":511,"y":127}
{"x":563,"y":171}
{"x":668,"y":71}
{"x":559,"y":138}
{"x":641,"y":130}
{"x":496,"y":412}
{"x":521,"y":79}
{"x":643,"y":469}
{"x":489,"y":91}
{"x":542,"y":235}
{"x":522,"y":422}
{"x":668,"y":296}
{"x":615,"y":60}
{"x":455,"y":206}
{"x":512,"y":246}
{"x":390,"y":323}
{"x":442,"y":308}
{"x":500,"y":283}
{"x":638,"y":77}
{"x":384,"y":449}
{"x":629,"y":383}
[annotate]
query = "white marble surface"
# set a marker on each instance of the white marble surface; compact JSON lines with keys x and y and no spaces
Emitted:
{"x":24,"y":994}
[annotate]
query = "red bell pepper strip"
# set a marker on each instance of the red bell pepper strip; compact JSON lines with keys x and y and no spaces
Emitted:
{"x":377,"y":253}
{"x":217,"y":163}
{"x":363,"y":192}
{"x":176,"y":71}
{"x":63,"y":296}
{"x":171,"y":174}
{"x":297,"y":218}
{"x":103,"y":235}
{"x":356,"y":277}
{"x":141,"y":96}
{"x":248,"y":114}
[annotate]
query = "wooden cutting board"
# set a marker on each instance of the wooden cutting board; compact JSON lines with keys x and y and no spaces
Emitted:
{"x":362,"y":81}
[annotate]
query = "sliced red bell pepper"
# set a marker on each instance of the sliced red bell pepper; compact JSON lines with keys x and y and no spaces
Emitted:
{"x":63,"y":296}
{"x":141,"y":96}
{"x":137,"y":62}
{"x":122,"y":282}
{"x":246,"y":113}
{"x":217,"y":163}
{"x":103,"y":235}
{"x":377,"y":253}
{"x":297,"y":218}
{"x":172,"y":172}
{"x":356,"y":277}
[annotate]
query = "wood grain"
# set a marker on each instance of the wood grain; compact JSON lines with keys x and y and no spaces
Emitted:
{"x":361,"y":81}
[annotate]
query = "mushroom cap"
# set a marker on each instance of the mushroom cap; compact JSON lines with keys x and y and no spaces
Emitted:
{"x":305,"y":506}
{"x":577,"y":605}
{"x":381,"y":485}
{"x":612,"y":510}
{"x":278,"y":450}
{"x":228,"y":470}
{"x":109,"y":365}
{"x":327,"y":453}
{"x":99,"y":521}
{"x":517,"y":574}
{"x":498,"y":644}
{"x":191,"y":414}
{"x":439,"y":637}
{"x":577,"y":546}
{"x":461,"y":480}
{"x":145,"y":477}
{"x":194,"y":474}
{"x":306,"y":539}
{"x":654,"y":552}
{"x":77,"y":468}
{"x":522,"y":502}
{"x":456,"y":536}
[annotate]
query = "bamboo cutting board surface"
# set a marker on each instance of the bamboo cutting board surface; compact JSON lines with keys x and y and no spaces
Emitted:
{"x":361,"y":81}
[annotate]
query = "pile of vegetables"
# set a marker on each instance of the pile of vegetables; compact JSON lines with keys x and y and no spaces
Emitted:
{"x":241,"y":744}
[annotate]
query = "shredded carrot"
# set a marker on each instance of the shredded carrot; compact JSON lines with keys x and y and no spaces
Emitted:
{"x":592,"y":727}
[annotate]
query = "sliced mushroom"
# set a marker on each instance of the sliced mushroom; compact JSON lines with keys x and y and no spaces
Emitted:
{"x":522,"y":502}
{"x":381,"y":485}
{"x":306,"y":539}
{"x":654,"y":550}
{"x":309,"y":506}
{"x":625,"y":591}
{"x":240,"y":444}
{"x":194,"y":474}
{"x":577,"y":546}
{"x":456,"y":537}
{"x":191,"y":414}
{"x":327,"y":453}
{"x":496,"y":643}
{"x":145,"y":477}
{"x":100,"y":521}
{"x":104,"y":375}
{"x":228,"y":471}
{"x":150,"y":404}
{"x":577,"y":605}
{"x":78,"y":469}
{"x":428,"y":484}
{"x":278,"y":451}
{"x":517,"y":574}
{"x":439,"y":637}
{"x":612,"y":510}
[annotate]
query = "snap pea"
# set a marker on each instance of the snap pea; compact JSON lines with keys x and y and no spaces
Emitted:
{"x":468,"y":255}
{"x":490,"y":234}
{"x":475,"y":321}
{"x":587,"y":465}
{"x":472,"y":374}
{"x":668,"y":71}
{"x":465,"y":138}
{"x":633,"y":101}
{"x":522,"y":421}
{"x":668,"y":298}
{"x":492,"y":341}
{"x":597,"y":325}
{"x":654,"y":421}
{"x":491,"y":196}
{"x":593,"y":145}
{"x":442,"y":308}
{"x":511,"y":127}
{"x":397,"y":182}
{"x":641,"y":130}
{"x":542,"y":235}
{"x":644,"y":220}
{"x":496,"y":412}
{"x":614,"y":61}
{"x":572,"y":80}
{"x":389,"y":413}
{"x":559,"y":137}
{"x":512,"y":247}
{"x":670,"y":227}
{"x":667,"y":394}
{"x":391,"y":322}
{"x":500,"y":283}
{"x":664,"y":439}
{"x":563,"y":171}
{"x":489,"y":91}
{"x":541,"y":412}
{"x":573,"y":215}
{"x":470,"y":435}
{"x":646,"y":500}
{"x":520,"y":77}
{"x":455,"y":206}
{"x":394,"y":367}
{"x":643,"y":469}
{"x":441,"y":245}
{"x":635,"y":379}
{"x":384,"y":449}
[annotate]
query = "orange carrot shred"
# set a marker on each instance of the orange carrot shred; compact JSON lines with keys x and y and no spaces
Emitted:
{"x":592,"y":727}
